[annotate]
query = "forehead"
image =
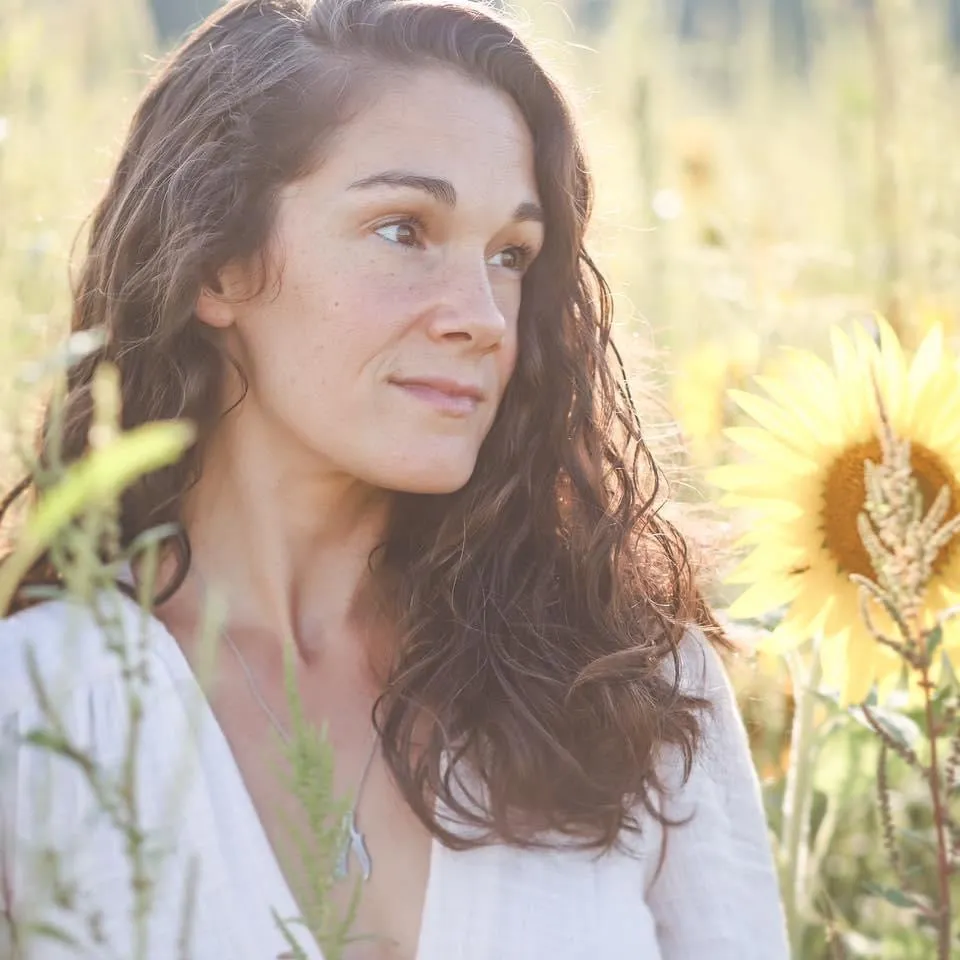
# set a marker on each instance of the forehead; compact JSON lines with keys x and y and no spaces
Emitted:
{"x":439,"y":123}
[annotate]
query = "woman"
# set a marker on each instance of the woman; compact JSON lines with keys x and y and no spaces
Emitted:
{"x":345,"y":239}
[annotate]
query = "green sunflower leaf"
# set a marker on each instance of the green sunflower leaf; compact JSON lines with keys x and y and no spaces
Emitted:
{"x":893,"y":896}
{"x":897,"y":725}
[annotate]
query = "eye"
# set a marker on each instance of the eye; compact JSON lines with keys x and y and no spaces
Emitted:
{"x":519,"y":257}
{"x":408,"y":231}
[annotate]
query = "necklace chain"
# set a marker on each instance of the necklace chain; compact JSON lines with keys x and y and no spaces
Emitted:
{"x":354,"y":841}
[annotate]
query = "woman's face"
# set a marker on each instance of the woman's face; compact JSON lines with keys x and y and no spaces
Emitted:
{"x":385,"y":349}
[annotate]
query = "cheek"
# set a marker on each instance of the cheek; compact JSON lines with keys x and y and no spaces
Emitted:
{"x":507,"y":361}
{"x":367,"y":308}
{"x":332,"y":325}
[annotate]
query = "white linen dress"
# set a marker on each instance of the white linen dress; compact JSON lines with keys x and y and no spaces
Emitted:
{"x":716,"y":897}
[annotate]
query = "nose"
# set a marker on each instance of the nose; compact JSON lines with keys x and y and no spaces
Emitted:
{"x":467,"y":308}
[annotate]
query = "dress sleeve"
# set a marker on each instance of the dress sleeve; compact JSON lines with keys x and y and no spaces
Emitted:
{"x":62,"y":860}
{"x":716,"y":895}
{"x":42,"y":800}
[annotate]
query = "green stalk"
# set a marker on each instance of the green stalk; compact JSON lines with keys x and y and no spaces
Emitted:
{"x":805,"y":672}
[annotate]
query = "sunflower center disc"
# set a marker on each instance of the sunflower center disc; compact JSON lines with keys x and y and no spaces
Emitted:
{"x":845,"y":491}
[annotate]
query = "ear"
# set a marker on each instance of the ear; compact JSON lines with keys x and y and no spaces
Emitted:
{"x":220,"y":299}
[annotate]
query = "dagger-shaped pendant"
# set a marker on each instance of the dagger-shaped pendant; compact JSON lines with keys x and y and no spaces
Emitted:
{"x":356,"y":844}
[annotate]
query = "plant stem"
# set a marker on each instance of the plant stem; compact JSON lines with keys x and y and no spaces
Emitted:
{"x":799,"y":792}
{"x":939,"y":819}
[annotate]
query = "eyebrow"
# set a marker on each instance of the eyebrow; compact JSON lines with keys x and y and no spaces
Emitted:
{"x":440,"y":189}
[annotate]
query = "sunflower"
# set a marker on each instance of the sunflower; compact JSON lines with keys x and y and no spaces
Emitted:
{"x":804,"y":484}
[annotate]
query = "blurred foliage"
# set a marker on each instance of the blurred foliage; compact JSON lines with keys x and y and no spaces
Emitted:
{"x":70,"y":73}
{"x":740,"y":207}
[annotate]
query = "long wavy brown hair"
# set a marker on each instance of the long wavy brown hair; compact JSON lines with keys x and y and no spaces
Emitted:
{"x":540,"y":603}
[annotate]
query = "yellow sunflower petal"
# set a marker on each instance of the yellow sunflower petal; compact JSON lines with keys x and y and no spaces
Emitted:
{"x":812,"y":403}
{"x":761,"y":444}
{"x":834,"y":660}
{"x":845,"y":356}
{"x":771,"y":516}
{"x":785,"y":636}
{"x":813,"y":606}
{"x":854,"y":365}
{"x":778,"y":421}
{"x":927,"y":361}
{"x":861,"y":669}
{"x":810,"y":367}
{"x":890,"y":365}
{"x":888,"y":684}
{"x":764,"y":596}
{"x":754,"y":487}
{"x":765,"y":559}
{"x":856,"y":412}
{"x":846,"y":607}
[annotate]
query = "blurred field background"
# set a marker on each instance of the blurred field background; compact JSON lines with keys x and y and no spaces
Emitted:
{"x":766,"y":169}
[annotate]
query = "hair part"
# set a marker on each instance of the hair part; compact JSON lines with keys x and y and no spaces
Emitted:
{"x":539,"y":604}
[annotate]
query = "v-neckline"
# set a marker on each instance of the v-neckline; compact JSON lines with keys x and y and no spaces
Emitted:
{"x":285,"y":902}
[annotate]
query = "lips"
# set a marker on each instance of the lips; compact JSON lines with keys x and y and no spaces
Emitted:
{"x":449,"y":398}
{"x":444,"y":385}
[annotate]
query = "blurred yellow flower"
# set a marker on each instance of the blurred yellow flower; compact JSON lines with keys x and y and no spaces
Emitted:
{"x":805,"y":487}
{"x":698,"y":394}
{"x":697,"y":158}
{"x":699,"y":390}
{"x":927,"y":314}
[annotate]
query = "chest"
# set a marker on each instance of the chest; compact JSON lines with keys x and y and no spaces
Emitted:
{"x":352,"y":917}
{"x":426,"y":902}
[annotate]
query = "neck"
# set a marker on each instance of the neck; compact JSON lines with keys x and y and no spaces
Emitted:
{"x":285,"y":541}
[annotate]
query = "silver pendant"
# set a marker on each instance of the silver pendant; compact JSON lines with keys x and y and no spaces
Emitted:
{"x":356,"y":844}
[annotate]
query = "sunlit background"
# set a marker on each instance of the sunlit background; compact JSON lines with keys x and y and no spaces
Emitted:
{"x":766,"y":170}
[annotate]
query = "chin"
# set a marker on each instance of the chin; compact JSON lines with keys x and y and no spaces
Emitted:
{"x":430,"y":476}
{"x":436,"y":484}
